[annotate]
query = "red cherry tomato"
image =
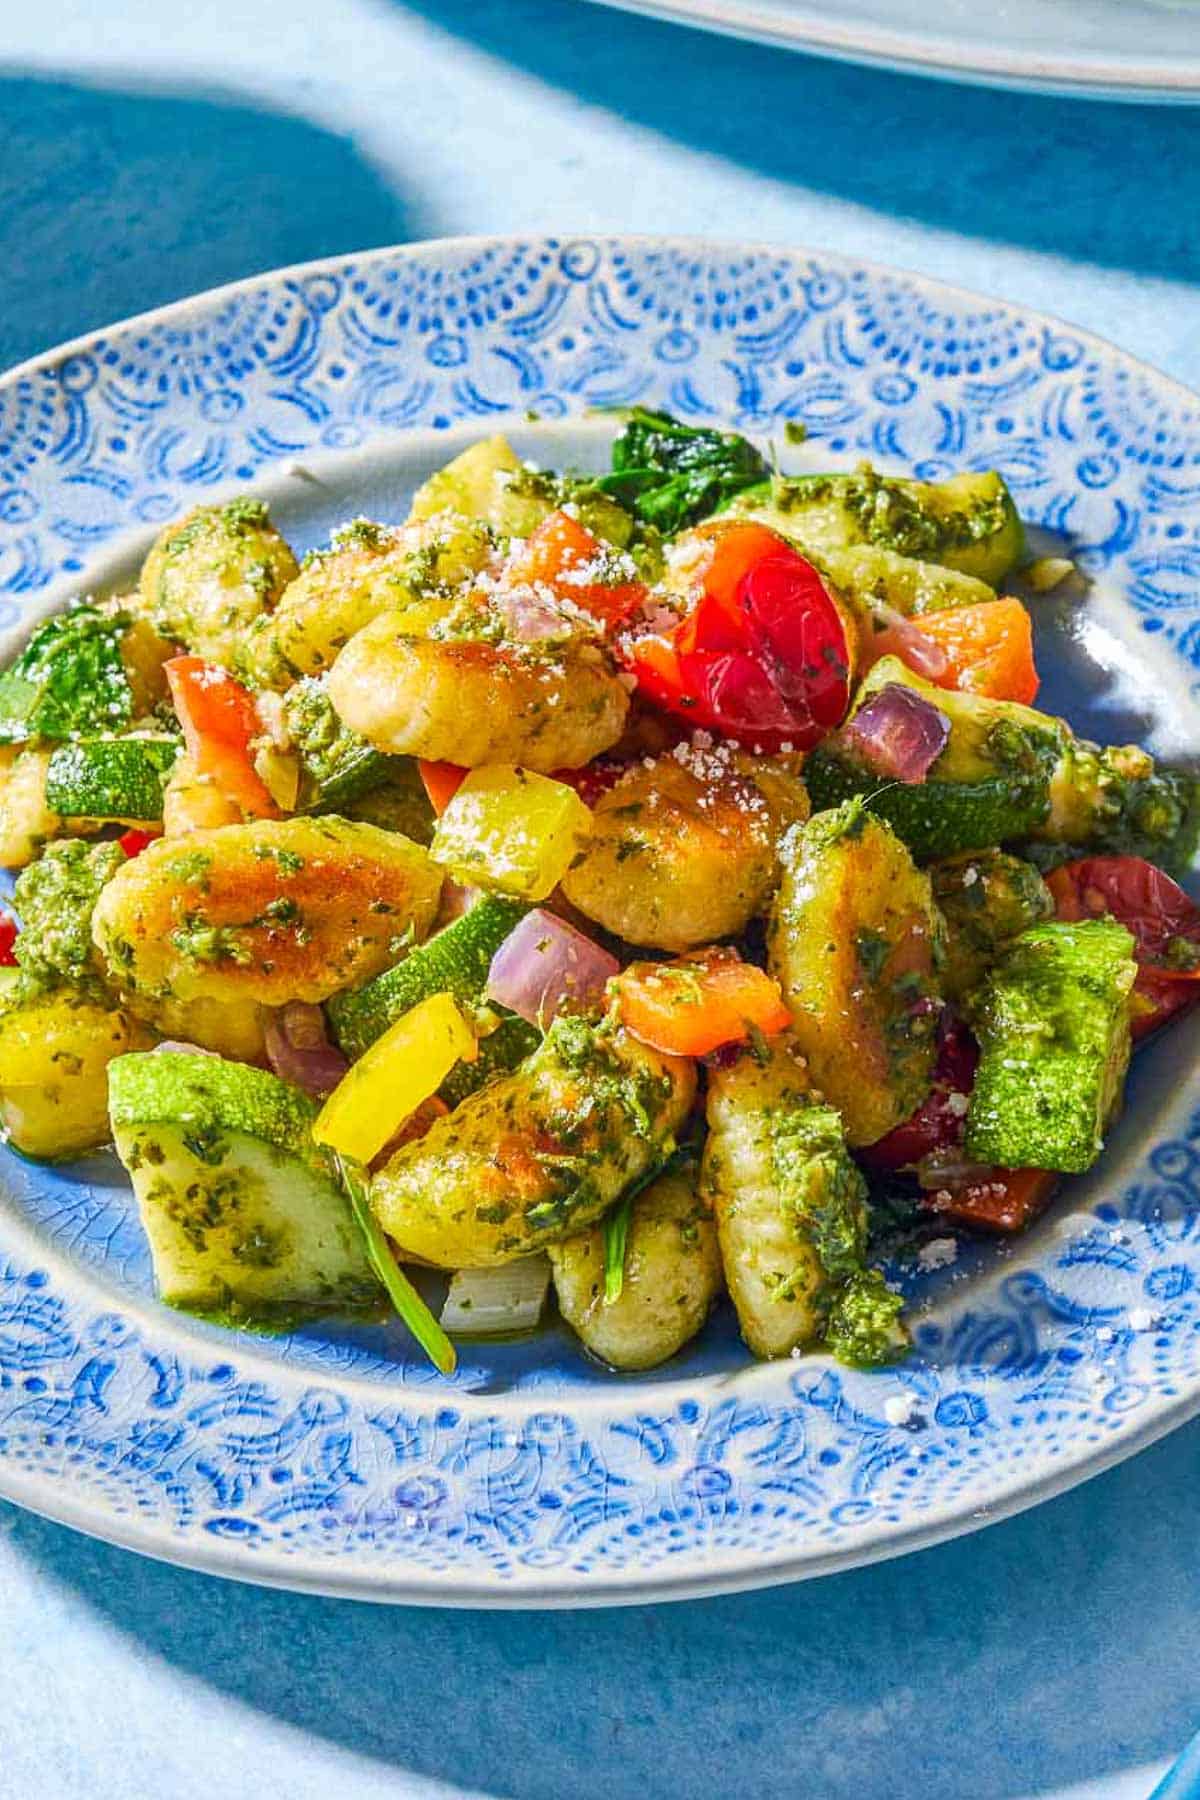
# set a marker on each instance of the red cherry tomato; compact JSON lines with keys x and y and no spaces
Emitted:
{"x":937,"y":1123}
{"x":763,"y":656}
{"x":135,"y":841}
{"x":1005,"y":1200}
{"x":8,"y":937}
{"x":595,"y":778}
{"x":1165,"y":923}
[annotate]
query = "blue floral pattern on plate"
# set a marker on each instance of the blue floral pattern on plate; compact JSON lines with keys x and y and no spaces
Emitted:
{"x":333,"y":1463}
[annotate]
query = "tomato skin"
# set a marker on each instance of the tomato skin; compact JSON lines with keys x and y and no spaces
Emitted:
{"x":8,"y":938}
{"x":937,"y":1123}
{"x":1008,"y":1201}
{"x":135,"y":841}
{"x":556,"y":554}
{"x":595,"y":778}
{"x":441,"y":781}
{"x":1155,"y":909}
{"x":764,"y":655}
{"x":991,"y":1199}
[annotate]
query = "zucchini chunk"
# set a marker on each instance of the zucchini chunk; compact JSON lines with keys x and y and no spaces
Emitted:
{"x":55,"y":1051}
{"x":211,"y":574}
{"x":986,"y":898}
{"x":791,"y":1211}
{"x":336,"y":765}
{"x":274,"y":910}
{"x":867,"y":575}
{"x":246,"y":1222}
{"x":990,"y":784}
{"x":854,"y":941}
{"x":968,"y":523}
{"x":455,"y":961}
{"x":1052,"y":1019}
{"x":118,"y":780}
{"x":399,"y":803}
{"x":672,"y":1277}
{"x":536,"y":1155}
{"x":73,"y":678}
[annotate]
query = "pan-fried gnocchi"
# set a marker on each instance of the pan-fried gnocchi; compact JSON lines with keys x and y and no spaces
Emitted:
{"x":469,"y":701}
{"x":683,"y":848}
{"x":672,"y":1277}
{"x":740,"y":891}
{"x":535,"y":1155}
{"x":279,"y":910}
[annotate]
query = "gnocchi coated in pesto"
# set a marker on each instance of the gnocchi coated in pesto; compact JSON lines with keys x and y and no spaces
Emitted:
{"x":645,"y":885}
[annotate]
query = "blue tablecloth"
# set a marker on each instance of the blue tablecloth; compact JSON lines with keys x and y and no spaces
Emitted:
{"x":147,"y":151}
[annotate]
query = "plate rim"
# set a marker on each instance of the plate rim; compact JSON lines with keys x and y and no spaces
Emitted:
{"x":408,"y":1584}
{"x":935,"y":56}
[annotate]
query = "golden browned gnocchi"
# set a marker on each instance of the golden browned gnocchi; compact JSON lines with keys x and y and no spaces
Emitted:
{"x":469,"y":701}
{"x":277,"y":910}
{"x":682,"y":849}
{"x":212,"y":573}
{"x":672,"y":1276}
{"x":855,"y":943}
{"x":790,"y":1205}
{"x":26,"y":822}
{"x":367,"y":570}
{"x":535,"y":1155}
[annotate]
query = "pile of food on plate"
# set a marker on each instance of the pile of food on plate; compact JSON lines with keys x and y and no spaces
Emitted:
{"x":617,"y":882}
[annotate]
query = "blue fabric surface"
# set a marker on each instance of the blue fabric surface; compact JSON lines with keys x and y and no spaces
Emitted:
{"x":145,"y":154}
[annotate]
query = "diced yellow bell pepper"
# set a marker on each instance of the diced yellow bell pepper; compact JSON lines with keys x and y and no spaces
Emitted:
{"x":511,"y":830}
{"x":405,"y":1066}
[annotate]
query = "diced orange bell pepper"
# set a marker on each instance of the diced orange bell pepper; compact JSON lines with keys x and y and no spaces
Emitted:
{"x":220,"y":722}
{"x":699,"y":1002}
{"x":990,"y":649}
{"x":442,"y":781}
{"x":563,"y":555}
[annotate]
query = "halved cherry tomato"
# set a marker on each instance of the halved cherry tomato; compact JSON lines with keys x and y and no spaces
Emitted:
{"x":1003,"y":1200}
{"x":937,"y":1123}
{"x":989,"y":648}
{"x":135,"y":841}
{"x":764,"y":655}
{"x":8,"y":937}
{"x":563,"y":555}
{"x":220,"y":722}
{"x":442,"y":781}
{"x":997,"y":1199}
{"x":698,"y":1003}
{"x":1164,"y":920}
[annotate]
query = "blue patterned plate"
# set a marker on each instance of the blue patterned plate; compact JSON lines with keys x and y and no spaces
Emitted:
{"x":332,"y":1460}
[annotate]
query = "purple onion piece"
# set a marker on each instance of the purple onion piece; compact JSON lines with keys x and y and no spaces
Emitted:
{"x":898,"y":734}
{"x":544,"y":965}
{"x":299,"y":1051}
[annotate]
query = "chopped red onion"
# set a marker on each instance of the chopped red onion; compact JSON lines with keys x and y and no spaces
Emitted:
{"x":179,"y":1047}
{"x":530,"y":616}
{"x":897,"y":733}
{"x":456,"y":900}
{"x":894,"y":635}
{"x":545,"y":964}
{"x":299,"y":1051}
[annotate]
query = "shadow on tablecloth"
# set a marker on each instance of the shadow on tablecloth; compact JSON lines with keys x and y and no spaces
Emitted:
{"x":1049,"y":1651}
{"x":134,"y":199}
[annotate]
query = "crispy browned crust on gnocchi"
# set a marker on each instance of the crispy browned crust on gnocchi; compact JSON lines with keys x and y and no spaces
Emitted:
{"x":682,"y":850}
{"x":277,"y":910}
{"x":536,"y":1155}
{"x":855,"y":942}
{"x":472,"y":702}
